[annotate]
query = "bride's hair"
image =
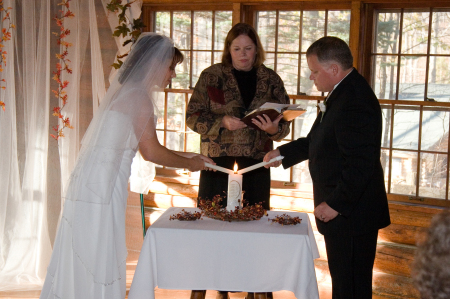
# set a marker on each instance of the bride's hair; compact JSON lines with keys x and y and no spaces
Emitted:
{"x":147,"y":52}
{"x":178,"y":57}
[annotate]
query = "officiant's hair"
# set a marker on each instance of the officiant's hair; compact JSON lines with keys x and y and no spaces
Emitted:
{"x":331,"y":48}
{"x":431,"y":266}
{"x":243,"y":29}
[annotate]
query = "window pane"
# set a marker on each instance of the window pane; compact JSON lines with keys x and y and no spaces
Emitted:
{"x":182,"y":30}
{"x":404,"y":171}
{"x":287,"y":68}
{"x":313,"y":27}
{"x":160,"y":135}
{"x":303,"y":123}
{"x":182,"y":79}
{"x":406,"y":128}
{"x":288,"y":31}
{"x":435,"y":130}
{"x":412,"y":78}
{"x":433,"y":175}
{"x":202,"y":60}
{"x":385,"y":165}
{"x":306,"y":85}
{"x":222,"y":26}
{"x":175,"y":111}
{"x":301,"y":175}
{"x":415,"y":32}
{"x":439,"y":79}
{"x":270,"y":61}
{"x":279,"y":173}
{"x":386,"y":113}
{"x":175,"y":141}
{"x":202,"y":30}
{"x":266,"y":29}
{"x":162,"y":25}
{"x":160,"y":105}
{"x":193,"y":142}
{"x":385,"y":77}
{"x":217,"y":56}
{"x":440,"y":37}
{"x":387,"y":34}
{"x":339,"y":24}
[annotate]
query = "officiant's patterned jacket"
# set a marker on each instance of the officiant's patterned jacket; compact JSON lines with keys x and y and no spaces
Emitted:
{"x":216,"y":95}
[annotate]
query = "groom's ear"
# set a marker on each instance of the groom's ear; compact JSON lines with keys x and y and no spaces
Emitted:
{"x":334,"y":68}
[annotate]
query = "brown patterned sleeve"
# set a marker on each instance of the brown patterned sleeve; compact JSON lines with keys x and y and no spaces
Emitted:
{"x":198,"y":113}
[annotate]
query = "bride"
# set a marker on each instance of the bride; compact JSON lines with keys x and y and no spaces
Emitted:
{"x":89,"y":254}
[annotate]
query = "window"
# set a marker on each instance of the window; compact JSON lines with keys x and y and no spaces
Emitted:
{"x":285,"y":36}
{"x":411,"y":54}
{"x":199,"y":35}
{"x":410,"y":74}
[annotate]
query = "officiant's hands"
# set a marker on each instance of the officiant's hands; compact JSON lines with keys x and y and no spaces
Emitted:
{"x":232,"y":123}
{"x":264,"y":123}
{"x":269,"y":156}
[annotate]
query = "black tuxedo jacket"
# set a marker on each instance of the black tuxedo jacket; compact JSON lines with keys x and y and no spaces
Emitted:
{"x":343,"y":148}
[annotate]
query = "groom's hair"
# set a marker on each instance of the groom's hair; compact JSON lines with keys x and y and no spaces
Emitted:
{"x":330,"y":48}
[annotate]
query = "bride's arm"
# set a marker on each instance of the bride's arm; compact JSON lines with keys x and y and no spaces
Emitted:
{"x":152,"y":150}
{"x":190,"y":155}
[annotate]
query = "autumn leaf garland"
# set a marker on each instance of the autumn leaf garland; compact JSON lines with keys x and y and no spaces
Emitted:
{"x":4,"y":36}
{"x":62,"y":66}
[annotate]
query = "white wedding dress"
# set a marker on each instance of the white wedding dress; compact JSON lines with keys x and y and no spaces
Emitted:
{"x":89,"y":255}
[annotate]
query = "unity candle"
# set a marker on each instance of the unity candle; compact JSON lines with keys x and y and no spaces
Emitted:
{"x":234,"y":193}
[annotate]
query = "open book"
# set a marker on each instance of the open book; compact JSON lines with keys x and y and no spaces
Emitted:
{"x":273,"y":110}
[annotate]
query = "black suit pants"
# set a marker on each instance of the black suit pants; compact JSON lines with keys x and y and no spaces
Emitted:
{"x":350,"y":260}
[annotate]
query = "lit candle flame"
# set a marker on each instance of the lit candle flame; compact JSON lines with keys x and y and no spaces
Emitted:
{"x":235,"y":168}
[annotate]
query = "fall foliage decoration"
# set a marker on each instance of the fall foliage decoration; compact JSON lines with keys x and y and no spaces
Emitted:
{"x":62,"y":66}
{"x":186,"y":216}
{"x":129,"y":29}
{"x":212,"y":209}
{"x":5,"y":35}
{"x":285,"y":219}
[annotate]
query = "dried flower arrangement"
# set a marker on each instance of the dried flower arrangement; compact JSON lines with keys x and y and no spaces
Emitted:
{"x":213,"y":209}
{"x":186,"y":216}
{"x":285,"y":219}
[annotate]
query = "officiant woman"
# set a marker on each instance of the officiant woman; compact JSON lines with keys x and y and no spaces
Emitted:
{"x":222,"y":96}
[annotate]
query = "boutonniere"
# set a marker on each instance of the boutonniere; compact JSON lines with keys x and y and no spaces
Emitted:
{"x":323,"y":107}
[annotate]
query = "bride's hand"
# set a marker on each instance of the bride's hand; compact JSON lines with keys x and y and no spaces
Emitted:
{"x":196,"y":163}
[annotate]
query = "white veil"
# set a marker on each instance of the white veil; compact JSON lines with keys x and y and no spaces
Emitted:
{"x":126,"y":113}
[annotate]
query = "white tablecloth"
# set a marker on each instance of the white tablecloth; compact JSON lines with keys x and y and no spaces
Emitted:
{"x":208,"y":254}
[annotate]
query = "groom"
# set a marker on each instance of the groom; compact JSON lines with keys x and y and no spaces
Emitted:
{"x":343,"y":149}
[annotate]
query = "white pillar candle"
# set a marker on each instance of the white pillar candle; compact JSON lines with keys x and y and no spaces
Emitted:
{"x":234,"y":193}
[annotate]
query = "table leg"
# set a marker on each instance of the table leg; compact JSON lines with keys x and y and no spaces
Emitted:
{"x":222,"y":295}
{"x":259,"y":296}
{"x":198,"y":294}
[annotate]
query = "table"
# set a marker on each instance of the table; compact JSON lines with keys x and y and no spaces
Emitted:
{"x":208,"y":254}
